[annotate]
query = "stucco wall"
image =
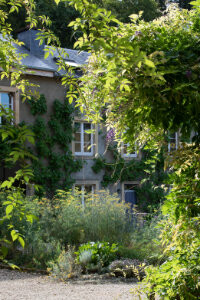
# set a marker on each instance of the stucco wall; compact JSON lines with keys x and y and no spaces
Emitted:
{"x":52,"y":89}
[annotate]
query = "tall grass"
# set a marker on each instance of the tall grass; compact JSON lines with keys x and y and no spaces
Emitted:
{"x":64,"y":220}
{"x":101,"y":218}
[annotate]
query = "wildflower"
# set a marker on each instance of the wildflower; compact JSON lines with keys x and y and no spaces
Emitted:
{"x":110,"y":135}
{"x":137,"y":33}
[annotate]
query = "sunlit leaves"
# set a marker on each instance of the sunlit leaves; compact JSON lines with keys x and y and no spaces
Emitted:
{"x":156,"y":59}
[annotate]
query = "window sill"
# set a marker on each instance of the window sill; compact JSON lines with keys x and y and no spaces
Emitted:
{"x":85,"y":156}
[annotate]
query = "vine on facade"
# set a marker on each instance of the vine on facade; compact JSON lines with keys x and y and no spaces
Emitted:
{"x":148,"y":170}
{"x":55,"y":162}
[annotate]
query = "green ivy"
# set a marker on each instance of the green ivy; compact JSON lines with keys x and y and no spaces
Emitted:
{"x":55,"y":162}
{"x":38,"y":106}
{"x":149,"y":170}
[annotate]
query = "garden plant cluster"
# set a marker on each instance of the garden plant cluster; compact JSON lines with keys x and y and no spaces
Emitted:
{"x":57,"y":233}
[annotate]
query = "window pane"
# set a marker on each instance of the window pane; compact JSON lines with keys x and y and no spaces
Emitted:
{"x":129,"y":186}
{"x":125,"y":148}
{"x":173,"y":136}
{"x":77,"y":137}
{"x":173,"y":142}
{"x":5,"y":100}
{"x":87,"y":147}
{"x":77,"y":147}
{"x":128,"y":151}
{"x":87,"y":126}
{"x":87,"y":137}
{"x":88,"y":188}
{"x":77,"y":127}
{"x":130,"y":197}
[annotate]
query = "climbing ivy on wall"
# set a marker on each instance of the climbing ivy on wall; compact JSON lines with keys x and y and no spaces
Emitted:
{"x":55,"y":162}
{"x":149,"y":170}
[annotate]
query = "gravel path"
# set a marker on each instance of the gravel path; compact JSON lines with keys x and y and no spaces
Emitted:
{"x":15,"y":285}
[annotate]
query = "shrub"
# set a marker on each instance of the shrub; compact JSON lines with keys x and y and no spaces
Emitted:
{"x":101,"y":218}
{"x":63,"y":221}
{"x":178,"y":276}
{"x":98,"y":254}
{"x":144,"y":243}
{"x":13,"y":216}
{"x":65,"y":266}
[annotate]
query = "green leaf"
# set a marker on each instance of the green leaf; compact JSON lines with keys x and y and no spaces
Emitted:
{"x":30,"y":218}
{"x":9,"y":209}
{"x":4,"y":251}
{"x":21,"y":241}
{"x":4,"y":135}
{"x":6,"y":183}
{"x":14,"y":235}
{"x":149,"y":63}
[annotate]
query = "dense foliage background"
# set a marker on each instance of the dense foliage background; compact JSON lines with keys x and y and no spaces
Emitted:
{"x":63,"y":13}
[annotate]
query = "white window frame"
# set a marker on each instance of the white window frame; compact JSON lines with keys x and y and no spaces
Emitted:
{"x":82,"y":152}
{"x":176,"y":142}
{"x":94,"y":184}
{"x":94,"y":140}
{"x":128,"y":155}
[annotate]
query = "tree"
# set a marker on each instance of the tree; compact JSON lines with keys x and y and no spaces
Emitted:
{"x":123,"y":9}
{"x":143,"y":77}
{"x":143,"y":80}
{"x":60,"y":15}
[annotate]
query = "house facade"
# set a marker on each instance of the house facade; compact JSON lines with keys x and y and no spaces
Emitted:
{"x":86,"y":147}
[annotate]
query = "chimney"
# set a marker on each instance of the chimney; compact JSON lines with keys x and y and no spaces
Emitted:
{"x":28,"y":37}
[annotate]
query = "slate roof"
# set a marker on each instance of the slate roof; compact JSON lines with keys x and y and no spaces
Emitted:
{"x":36,"y":61}
{"x":34,"y":52}
{"x":73,"y":57}
{"x":33,"y":62}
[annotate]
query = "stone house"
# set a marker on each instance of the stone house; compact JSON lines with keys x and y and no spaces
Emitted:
{"x":85,"y":146}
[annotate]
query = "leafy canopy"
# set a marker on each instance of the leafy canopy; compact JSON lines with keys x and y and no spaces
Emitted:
{"x":143,"y":77}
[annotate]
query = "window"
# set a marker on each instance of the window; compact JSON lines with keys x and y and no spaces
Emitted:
{"x":126,"y":152}
{"x":87,"y":187}
{"x":9,"y":99}
{"x":6,"y":101}
{"x":85,"y":141}
{"x":173,"y":142}
{"x":129,"y":193}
